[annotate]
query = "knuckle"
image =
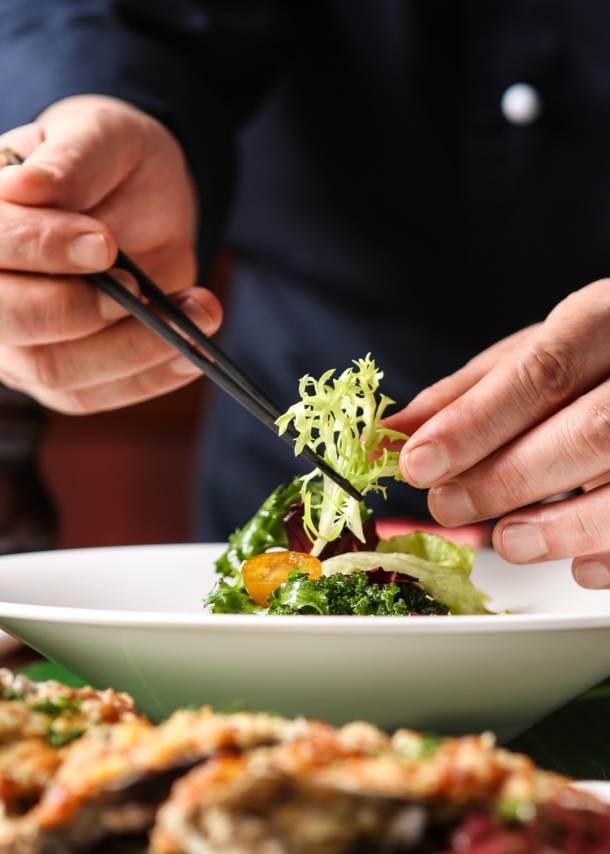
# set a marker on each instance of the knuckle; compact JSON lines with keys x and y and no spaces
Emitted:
{"x":75,"y":402}
{"x":48,"y":244}
{"x":547,"y":373}
{"x":587,"y":534}
{"x":592,"y":430}
{"x":143,"y":385}
{"x":33,"y":242}
{"x":139,"y":347}
{"x":67,"y":168}
{"x":45,"y":368}
{"x":508,"y":486}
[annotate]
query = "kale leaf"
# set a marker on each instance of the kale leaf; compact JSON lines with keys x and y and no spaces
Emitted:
{"x":264,"y":531}
{"x":358,"y":594}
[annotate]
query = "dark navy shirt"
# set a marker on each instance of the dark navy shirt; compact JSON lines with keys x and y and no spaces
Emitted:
{"x":355,"y":155}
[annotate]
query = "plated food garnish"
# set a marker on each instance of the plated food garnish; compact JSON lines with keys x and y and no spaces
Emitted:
{"x":313,"y":549}
{"x":244,"y":783}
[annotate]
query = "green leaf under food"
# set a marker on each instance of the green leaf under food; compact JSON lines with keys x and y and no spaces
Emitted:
{"x":40,"y":671}
{"x":226,"y":599}
{"x":447,"y":580}
{"x":265,"y":530}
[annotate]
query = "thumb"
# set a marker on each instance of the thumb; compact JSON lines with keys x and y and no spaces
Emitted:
{"x":89,"y":144}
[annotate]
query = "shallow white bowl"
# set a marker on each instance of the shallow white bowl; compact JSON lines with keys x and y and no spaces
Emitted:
{"x":131,"y":618}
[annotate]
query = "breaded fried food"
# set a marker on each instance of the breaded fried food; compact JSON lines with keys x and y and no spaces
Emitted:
{"x":331,"y":792}
{"x":37,"y":722}
{"x":114,"y":778}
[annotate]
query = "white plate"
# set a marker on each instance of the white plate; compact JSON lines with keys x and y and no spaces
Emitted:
{"x":599,"y":788}
{"x":131,"y":618}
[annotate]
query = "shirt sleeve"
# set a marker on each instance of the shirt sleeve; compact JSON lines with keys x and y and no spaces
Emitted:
{"x":199,"y":67}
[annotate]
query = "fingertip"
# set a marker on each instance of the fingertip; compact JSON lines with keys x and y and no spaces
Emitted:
{"x":27,"y":184}
{"x":425,"y":464}
{"x":520,"y":542}
{"x":202,"y":306}
{"x":592,"y":572}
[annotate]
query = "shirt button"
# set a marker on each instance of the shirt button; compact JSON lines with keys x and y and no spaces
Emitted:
{"x":521,"y":104}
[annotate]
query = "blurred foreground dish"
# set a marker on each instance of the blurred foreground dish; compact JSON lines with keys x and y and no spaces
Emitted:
{"x":242,"y":782}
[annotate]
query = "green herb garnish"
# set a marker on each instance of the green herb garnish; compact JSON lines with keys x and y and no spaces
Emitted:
{"x":58,"y":706}
{"x":60,"y":739}
{"x":9,"y":694}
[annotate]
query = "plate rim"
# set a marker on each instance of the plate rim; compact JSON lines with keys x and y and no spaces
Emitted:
{"x":459,"y":624}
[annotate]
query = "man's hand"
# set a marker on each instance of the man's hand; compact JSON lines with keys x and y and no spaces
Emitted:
{"x":98,"y":174}
{"x":524,"y":421}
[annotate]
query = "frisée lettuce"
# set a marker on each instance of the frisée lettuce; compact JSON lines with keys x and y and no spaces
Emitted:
{"x":341,"y":419}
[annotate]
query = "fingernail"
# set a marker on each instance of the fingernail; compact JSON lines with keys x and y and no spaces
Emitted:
{"x":197,"y":313}
{"x":183,"y":367}
{"x":592,"y":574}
{"x":523,"y":542}
{"x":451,"y":505}
{"x":109,"y":308}
{"x":89,"y":251}
{"x":425,"y":464}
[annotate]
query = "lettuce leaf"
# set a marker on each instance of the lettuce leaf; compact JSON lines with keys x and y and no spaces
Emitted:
{"x":341,"y":418}
{"x":265,"y":530}
{"x":430,"y":547}
{"x":226,"y":599}
{"x":442,"y":568}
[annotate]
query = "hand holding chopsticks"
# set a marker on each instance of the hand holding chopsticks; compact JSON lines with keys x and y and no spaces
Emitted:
{"x":194,"y":345}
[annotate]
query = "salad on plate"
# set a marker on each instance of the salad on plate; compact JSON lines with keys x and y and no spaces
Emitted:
{"x":313,"y":549}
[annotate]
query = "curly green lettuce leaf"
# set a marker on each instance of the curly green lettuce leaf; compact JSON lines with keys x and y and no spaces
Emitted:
{"x":447,"y":580}
{"x":265,"y":530}
{"x":356,"y":595}
{"x":226,"y":599}
{"x":340,"y":419}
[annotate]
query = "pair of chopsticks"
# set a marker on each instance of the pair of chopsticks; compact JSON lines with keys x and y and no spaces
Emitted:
{"x":196,"y":347}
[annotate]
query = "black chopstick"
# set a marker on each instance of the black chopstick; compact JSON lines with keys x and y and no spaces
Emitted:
{"x":212,"y":361}
{"x":236,"y":383}
{"x":161,"y":301}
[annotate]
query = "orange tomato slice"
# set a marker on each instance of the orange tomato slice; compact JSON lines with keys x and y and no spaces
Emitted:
{"x":264,"y":573}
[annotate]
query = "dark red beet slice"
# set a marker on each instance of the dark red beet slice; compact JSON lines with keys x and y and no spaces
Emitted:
{"x":298,"y":540}
{"x":380,"y":577}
